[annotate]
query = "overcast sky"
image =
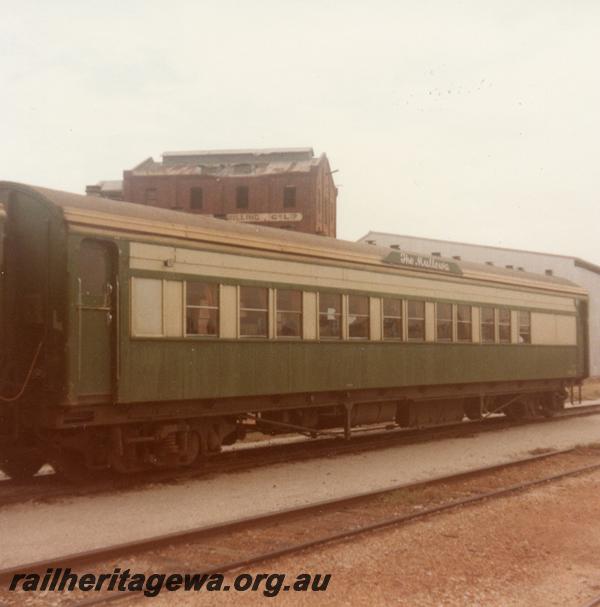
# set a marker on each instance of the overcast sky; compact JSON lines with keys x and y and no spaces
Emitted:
{"x":476,"y":121}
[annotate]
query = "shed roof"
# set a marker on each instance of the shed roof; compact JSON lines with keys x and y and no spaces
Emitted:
{"x":231,"y":163}
{"x":224,"y":169}
{"x":582,"y":263}
{"x":250,"y":153}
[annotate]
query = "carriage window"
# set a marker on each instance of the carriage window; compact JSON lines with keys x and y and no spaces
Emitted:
{"x":392,"y":318}
{"x":94,"y":269}
{"x":488,"y":326}
{"x":254,"y":312}
{"x":504,"y":325}
{"x":330,"y":315}
{"x":524,"y":327}
{"x":464,"y":327}
{"x":201,"y":308}
{"x":416,"y":319}
{"x":443,"y":314}
{"x":358,"y":317}
{"x":289,"y":313}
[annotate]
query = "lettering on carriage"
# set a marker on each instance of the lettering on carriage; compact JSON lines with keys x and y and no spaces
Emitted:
{"x":260,"y":217}
{"x":422,"y":262}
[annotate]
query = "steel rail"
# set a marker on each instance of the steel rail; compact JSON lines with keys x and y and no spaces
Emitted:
{"x":388,"y":522}
{"x":194,"y":534}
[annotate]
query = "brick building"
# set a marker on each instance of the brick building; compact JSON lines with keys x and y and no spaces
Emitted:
{"x":286,"y":188}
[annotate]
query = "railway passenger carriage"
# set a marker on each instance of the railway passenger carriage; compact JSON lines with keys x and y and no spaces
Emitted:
{"x":136,"y":336}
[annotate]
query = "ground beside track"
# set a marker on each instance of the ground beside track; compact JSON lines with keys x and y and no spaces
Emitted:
{"x":533,"y":548}
{"x":541,"y":547}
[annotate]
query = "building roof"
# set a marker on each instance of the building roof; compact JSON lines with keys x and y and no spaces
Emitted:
{"x":252,"y":153}
{"x":125,"y":216}
{"x":372,"y":235}
{"x":114,"y":185}
{"x":231,"y":163}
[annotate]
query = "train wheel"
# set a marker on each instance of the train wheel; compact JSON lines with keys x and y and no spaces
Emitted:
{"x":551,"y":404}
{"x":21,"y":467}
{"x":194,"y":451}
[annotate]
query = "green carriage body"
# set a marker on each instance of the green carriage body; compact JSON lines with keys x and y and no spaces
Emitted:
{"x":70,"y":264}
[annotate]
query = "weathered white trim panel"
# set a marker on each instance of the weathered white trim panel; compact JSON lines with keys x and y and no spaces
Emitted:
{"x":375,"y":318}
{"x":550,"y":329}
{"x":309,"y":315}
{"x":476,"y":326}
{"x":147,"y":307}
{"x":429,"y":321}
{"x":174,"y":305}
{"x":224,"y":265}
{"x":228,"y":312}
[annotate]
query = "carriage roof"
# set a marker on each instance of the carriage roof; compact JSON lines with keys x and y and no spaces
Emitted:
{"x":128,"y":217}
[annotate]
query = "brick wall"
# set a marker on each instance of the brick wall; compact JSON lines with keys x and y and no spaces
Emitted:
{"x":315,"y":195}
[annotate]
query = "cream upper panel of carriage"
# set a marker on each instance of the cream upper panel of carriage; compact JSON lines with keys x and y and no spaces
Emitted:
{"x":176,"y":260}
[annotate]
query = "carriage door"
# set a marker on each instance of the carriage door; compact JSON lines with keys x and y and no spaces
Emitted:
{"x":97,"y":321}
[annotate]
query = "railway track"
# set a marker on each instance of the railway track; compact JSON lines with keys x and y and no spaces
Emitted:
{"x":253,"y":455}
{"x":269,"y":537}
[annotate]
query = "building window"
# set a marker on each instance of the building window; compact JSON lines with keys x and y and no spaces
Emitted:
{"x":524,"y":327}
{"x":241,"y":197}
{"x":289,"y":313}
{"x":201,"y":308}
{"x":416,"y":320}
{"x":464,"y":323}
{"x":196,"y":199}
{"x":150,"y":196}
{"x":254,"y":312}
{"x":330,"y":315}
{"x":289,"y":196}
{"x":358,"y":317}
{"x":488,"y":326}
{"x":392,"y":318}
{"x":504,"y":326}
{"x":443,"y":316}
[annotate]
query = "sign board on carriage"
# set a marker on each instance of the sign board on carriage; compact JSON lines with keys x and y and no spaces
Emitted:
{"x":263,"y":217}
